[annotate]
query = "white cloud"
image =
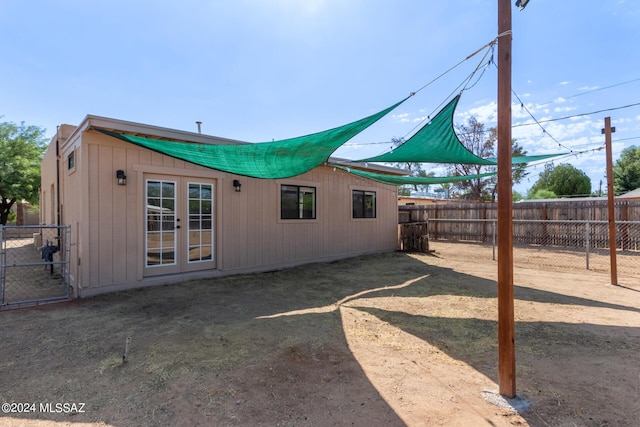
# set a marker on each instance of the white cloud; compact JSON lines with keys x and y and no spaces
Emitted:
{"x":486,"y":113}
{"x":563,"y":109}
{"x":402,"y":118}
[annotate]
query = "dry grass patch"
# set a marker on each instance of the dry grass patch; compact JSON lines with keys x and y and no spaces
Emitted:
{"x":386,"y":339}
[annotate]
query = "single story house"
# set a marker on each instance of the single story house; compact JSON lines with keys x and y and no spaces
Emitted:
{"x":140,"y":218}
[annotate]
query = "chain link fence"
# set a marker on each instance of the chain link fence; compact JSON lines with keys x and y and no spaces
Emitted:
{"x":34,"y":264}
{"x":550,"y":244}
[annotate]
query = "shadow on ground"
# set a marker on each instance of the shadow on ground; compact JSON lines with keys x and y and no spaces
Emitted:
{"x":269,"y":349}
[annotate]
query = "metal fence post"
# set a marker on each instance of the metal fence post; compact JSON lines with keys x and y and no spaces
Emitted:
{"x":66,"y":268}
{"x":587,"y":243}
{"x":493,"y":233}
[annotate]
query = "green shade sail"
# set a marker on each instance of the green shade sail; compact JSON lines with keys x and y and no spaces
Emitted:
{"x":278,"y":159}
{"x":418,"y":180}
{"x":437,"y":142}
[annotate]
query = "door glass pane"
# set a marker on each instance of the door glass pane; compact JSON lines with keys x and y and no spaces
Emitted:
{"x":153,"y":223}
{"x":153,"y":189}
{"x":153,"y":248}
{"x":168,"y":190}
{"x":160,"y":223}
{"x":194,"y":253}
{"x":194,"y":206}
{"x":200,"y":242}
{"x":206,"y":222}
{"x":168,"y":206}
{"x":168,"y":248}
{"x":168,"y":256}
{"x":194,"y":191}
{"x":168,"y":222}
{"x":194,"y":237}
{"x":206,"y":192}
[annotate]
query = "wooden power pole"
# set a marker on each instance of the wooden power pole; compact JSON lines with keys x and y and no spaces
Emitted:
{"x":607,"y":131}
{"x":506,"y":329}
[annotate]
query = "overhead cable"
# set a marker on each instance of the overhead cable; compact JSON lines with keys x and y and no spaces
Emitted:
{"x":577,"y":115}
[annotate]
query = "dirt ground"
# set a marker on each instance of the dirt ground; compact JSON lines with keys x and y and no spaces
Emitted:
{"x":381,"y":340}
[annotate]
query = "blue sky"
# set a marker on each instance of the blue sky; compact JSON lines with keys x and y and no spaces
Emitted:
{"x":257,"y":70}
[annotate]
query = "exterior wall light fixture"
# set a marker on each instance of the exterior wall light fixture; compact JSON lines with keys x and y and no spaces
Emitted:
{"x":121,"y":177}
{"x":237,"y":185}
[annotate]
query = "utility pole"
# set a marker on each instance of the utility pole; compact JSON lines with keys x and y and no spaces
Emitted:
{"x":506,"y":329}
{"x":600,"y":189}
{"x":607,"y":131}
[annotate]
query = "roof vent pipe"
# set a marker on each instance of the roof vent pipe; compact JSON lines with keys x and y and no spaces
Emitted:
{"x":199,"y":123}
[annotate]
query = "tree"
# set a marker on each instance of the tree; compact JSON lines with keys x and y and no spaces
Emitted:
{"x":563,"y":180}
{"x":542,"y":194}
{"x":21,"y":150}
{"x":423,"y":174}
{"x":516,"y":197}
{"x":482,"y":143}
{"x":626,"y":171}
{"x":404,"y":191}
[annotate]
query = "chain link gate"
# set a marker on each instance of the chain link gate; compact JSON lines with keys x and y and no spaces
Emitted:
{"x":34,"y":264}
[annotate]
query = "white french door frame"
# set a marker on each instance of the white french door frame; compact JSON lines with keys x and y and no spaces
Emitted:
{"x":179,"y":218}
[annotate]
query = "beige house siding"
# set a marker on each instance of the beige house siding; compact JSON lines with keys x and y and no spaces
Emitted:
{"x":108,"y":220}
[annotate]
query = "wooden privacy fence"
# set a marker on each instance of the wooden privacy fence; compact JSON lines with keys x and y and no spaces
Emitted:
{"x":569,"y":224}
{"x":582,"y":232}
{"x":566,"y":234}
{"x":579,"y":210}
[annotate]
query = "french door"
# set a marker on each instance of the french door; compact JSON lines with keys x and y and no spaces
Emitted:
{"x":179,"y":224}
